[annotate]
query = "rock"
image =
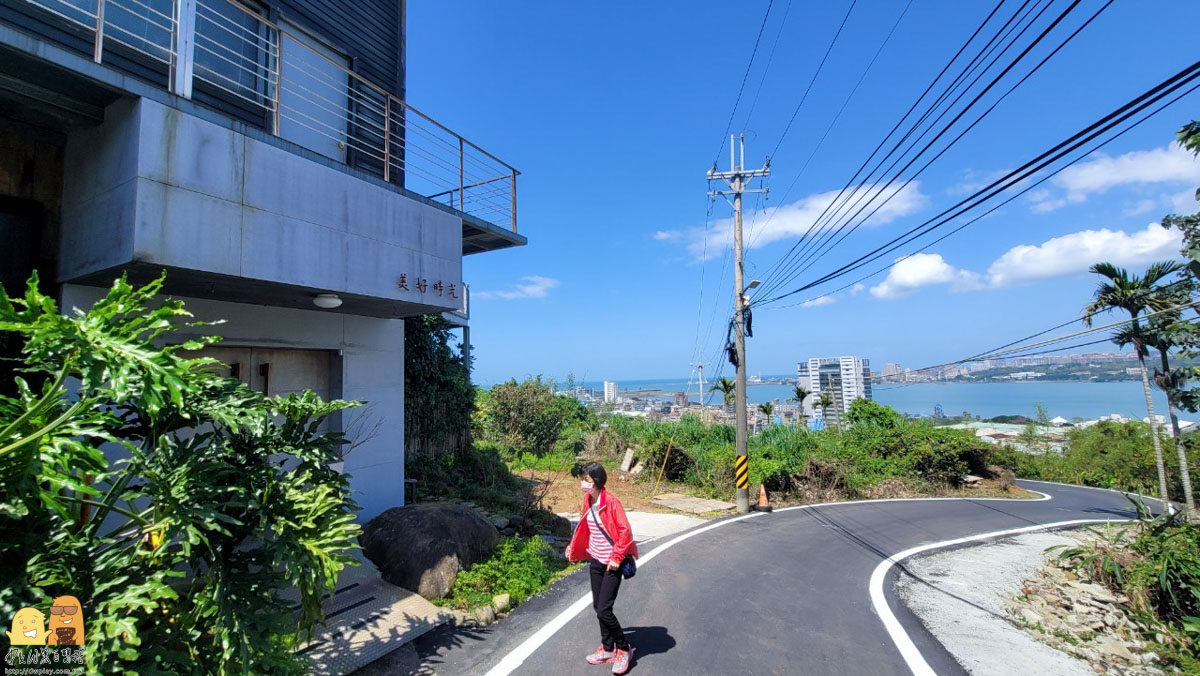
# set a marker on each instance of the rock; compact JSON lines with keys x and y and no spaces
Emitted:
{"x":1150,"y":658}
{"x":1029,"y":617}
{"x":484,"y":615}
{"x":501,"y":602}
{"x":1002,"y":475}
{"x":508,"y":531}
{"x":628,"y":461}
{"x":1115,"y":649}
{"x":972,"y":480}
{"x":423,"y":546}
{"x":500,"y":522}
{"x":558,"y":526}
{"x":637,"y":469}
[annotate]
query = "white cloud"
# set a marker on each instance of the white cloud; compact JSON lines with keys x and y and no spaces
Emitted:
{"x":1169,"y":165}
{"x":531,"y":286}
{"x":1076,"y":252}
{"x":857,"y":289}
{"x":920,"y":270}
{"x":1139,"y":207}
{"x":793,"y":220}
{"x":666,"y":234}
{"x":818,"y":301}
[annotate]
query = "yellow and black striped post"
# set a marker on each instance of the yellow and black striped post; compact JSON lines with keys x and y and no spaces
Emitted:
{"x":741,"y":469}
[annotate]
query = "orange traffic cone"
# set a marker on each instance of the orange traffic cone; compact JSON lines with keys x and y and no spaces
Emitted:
{"x":763,"y":505}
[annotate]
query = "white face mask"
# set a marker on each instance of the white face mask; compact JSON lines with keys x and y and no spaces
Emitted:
{"x":586,"y":486}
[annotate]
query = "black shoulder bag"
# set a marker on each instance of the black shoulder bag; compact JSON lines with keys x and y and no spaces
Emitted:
{"x":628,"y":566}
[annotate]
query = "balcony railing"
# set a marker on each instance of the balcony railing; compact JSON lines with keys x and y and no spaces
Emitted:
{"x":229,"y":55}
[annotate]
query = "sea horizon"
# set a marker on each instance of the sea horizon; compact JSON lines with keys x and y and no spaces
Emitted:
{"x":1068,"y":399}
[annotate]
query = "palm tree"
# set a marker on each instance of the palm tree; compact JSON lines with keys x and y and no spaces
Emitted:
{"x":727,"y":388}
{"x":825,"y":401}
{"x":767,"y":409}
{"x":1135,"y":295}
{"x":799,"y":394}
{"x":1165,"y":332}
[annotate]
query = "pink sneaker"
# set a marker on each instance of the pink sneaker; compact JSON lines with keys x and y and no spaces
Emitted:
{"x":621,"y":661}
{"x":601,"y":656}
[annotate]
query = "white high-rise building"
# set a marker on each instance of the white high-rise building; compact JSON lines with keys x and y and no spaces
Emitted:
{"x":842,"y":378}
{"x":610,"y":392}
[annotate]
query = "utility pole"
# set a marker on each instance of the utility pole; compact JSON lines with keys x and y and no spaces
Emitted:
{"x":737,"y":179}
{"x":700,"y":366}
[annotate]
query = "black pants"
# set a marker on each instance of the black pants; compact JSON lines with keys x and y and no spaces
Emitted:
{"x":605,"y":584}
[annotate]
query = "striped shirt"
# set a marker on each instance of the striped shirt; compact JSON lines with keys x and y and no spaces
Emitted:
{"x":599,"y":547}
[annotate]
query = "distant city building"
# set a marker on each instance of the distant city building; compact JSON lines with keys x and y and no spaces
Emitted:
{"x":681,"y":399}
{"x":610,"y":392}
{"x":842,"y":378}
{"x":892,"y":369}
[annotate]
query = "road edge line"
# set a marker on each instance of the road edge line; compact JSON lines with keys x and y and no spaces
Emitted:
{"x":516,"y":657}
{"x":900,"y":638}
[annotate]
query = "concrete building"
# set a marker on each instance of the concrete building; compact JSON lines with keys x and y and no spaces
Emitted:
{"x":842,"y":378}
{"x":610,"y":392}
{"x":264,"y":154}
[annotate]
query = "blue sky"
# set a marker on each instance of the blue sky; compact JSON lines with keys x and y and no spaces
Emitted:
{"x":614,"y":111}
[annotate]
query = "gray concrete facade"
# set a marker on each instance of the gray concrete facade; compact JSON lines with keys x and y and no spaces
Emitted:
{"x":371,"y":352}
{"x":156,"y":186}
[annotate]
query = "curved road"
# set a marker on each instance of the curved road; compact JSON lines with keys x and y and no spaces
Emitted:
{"x":780,"y":593}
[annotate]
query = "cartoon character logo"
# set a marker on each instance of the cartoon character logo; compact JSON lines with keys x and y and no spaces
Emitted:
{"x":66,"y":621}
{"x":28,"y":628}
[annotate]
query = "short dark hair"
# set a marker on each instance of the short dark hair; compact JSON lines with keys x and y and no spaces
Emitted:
{"x":596,"y":471}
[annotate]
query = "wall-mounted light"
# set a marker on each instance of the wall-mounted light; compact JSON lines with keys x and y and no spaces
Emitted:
{"x":327,"y":301}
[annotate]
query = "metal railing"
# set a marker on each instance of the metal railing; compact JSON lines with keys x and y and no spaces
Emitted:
{"x":298,"y":89}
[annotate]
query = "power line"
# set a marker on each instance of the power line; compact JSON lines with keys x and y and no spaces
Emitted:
{"x":894,"y":128}
{"x":737,"y":101}
{"x":1089,"y":133}
{"x":1008,"y":351}
{"x":816,"y":74}
{"x":841,"y":218}
{"x":770,"y":58}
{"x":862,"y":76}
{"x":799,"y":266}
{"x":1028,"y":188}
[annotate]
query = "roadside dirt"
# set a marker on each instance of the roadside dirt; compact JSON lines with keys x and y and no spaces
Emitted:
{"x":562,"y":494}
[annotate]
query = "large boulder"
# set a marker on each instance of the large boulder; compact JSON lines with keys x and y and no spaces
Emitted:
{"x":422,"y":547}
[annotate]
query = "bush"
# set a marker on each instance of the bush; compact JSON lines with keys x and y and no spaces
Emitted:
{"x":181,"y":551}
{"x":1105,"y":455}
{"x":527,"y":417}
{"x":517,"y":567}
{"x":879,"y":444}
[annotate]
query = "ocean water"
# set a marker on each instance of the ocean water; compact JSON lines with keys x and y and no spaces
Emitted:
{"x":986,"y":400}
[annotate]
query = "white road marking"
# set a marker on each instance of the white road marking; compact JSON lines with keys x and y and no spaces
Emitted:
{"x":518,"y":655}
{"x":908,"y":650}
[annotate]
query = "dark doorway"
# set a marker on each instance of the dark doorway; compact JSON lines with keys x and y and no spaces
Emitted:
{"x":20,"y":232}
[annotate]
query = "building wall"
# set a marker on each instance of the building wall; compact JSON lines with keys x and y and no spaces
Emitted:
{"x":156,"y":185}
{"x":371,"y":370}
{"x":370,"y":32}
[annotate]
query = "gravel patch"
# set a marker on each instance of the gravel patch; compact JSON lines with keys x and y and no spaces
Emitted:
{"x":960,"y":597}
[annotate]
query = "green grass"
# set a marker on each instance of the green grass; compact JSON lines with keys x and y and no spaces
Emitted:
{"x":518,"y":567}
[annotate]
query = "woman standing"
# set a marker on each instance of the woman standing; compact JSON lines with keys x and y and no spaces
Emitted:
{"x":603,"y":536}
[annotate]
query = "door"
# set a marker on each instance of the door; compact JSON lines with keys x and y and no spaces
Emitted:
{"x":314,"y":97}
{"x":276,"y":372}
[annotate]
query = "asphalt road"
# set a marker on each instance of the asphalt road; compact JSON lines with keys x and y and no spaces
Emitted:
{"x":781,"y":593}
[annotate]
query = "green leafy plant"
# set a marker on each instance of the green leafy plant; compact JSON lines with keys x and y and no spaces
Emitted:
{"x":518,"y":567}
{"x":221,"y":499}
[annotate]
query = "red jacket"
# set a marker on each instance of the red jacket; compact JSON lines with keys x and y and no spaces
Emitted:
{"x":612,"y":517}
